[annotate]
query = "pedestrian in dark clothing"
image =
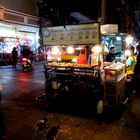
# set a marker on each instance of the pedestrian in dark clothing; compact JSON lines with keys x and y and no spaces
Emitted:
{"x":14,"y":57}
{"x":137,"y":70}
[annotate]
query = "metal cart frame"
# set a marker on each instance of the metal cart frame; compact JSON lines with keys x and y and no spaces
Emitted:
{"x":83,"y":80}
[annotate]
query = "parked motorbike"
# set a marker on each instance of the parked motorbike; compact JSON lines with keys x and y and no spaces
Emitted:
{"x":26,"y":64}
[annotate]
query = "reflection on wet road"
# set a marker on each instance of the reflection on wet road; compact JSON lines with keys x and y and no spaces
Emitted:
{"x":76,"y":116}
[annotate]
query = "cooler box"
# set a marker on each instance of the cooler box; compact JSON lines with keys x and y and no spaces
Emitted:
{"x":115,"y":72}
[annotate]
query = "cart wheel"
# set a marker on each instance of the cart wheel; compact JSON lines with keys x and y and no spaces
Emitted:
{"x":100,"y":107}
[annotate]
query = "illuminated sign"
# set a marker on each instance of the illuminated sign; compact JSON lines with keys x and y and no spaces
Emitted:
{"x":109,"y":28}
{"x":72,"y":34}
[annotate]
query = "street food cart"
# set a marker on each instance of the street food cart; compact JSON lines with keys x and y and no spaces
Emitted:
{"x":73,"y":67}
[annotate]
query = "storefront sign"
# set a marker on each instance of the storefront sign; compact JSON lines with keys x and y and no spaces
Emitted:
{"x":27,"y":28}
{"x":7,"y":31}
{"x":109,"y":28}
{"x":72,"y":34}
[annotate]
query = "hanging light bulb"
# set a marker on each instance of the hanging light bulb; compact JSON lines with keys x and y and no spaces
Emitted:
{"x":70,"y":50}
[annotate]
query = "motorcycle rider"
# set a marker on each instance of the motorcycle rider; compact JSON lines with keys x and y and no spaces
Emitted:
{"x":27,"y":53}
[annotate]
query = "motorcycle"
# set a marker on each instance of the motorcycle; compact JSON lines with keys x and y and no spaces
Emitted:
{"x":26,"y":64}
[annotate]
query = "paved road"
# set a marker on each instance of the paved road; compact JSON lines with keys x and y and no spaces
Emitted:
{"x":21,"y":112}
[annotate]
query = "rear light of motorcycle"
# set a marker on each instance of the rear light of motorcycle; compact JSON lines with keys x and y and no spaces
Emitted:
{"x":24,"y":59}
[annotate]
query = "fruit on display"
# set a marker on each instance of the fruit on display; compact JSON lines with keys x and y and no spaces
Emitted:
{"x":65,"y":64}
{"x":110,"y":73}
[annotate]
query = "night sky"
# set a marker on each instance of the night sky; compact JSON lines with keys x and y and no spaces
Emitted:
{"x":58,"y":11}
{"x":74,"y":4}
{"x":90,"y":8}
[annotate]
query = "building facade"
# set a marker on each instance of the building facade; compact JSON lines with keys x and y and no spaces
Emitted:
{"x":23,"y":6}
{"x":19,"y":25}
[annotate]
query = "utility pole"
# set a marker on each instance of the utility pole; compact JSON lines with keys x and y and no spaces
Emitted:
{"x":40,"y":7}
{"x":103,"y":12}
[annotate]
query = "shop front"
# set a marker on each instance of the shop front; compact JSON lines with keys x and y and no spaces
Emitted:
{"x":16,"y":36}
{"x":16,"y":29}
{"x":8,"y":40}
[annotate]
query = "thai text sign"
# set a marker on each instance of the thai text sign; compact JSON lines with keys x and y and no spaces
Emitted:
{"x":72,"y":34}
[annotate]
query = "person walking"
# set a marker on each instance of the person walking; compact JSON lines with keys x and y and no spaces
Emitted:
{"x":14,"y":57}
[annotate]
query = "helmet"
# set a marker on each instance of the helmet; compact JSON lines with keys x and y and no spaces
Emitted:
{"x":111,"y":46}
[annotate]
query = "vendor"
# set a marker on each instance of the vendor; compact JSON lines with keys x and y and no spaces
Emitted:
{"x":130,"y":64}
{"x":111,"y":55}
